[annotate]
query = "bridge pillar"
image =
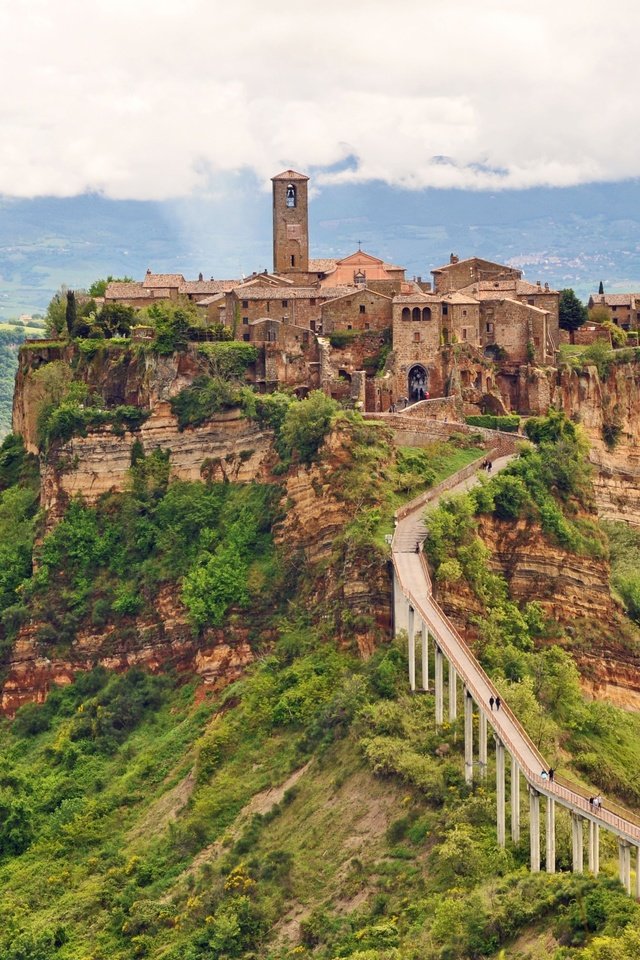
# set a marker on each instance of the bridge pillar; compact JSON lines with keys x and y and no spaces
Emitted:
{"x":500,"y":792}
{"x":439,"y":687}
{"x":453,"y":692}
{"x":594,"y":847}
{"x":624,"y":860}
{"x":468,"y":737}
{"x":577,"y":851}
{"x":534,"y":829}
{"x":424,"y":636}
{"x":482,"y":744}
{"x":411,"y":629}
{"x":551,"y":836}
{"x":515,"y":800}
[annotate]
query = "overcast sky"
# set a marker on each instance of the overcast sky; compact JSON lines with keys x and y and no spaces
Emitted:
{"x":152,"y":99}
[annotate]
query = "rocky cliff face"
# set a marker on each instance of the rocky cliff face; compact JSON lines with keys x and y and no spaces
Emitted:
{"x":574,"y":592}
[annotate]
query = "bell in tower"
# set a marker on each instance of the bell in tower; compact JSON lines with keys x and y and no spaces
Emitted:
{"x":291,"y":195}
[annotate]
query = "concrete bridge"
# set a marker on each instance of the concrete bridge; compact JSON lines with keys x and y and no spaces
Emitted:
{"x":417,"y":612}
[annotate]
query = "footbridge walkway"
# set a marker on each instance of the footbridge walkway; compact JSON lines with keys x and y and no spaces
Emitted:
{"x":417,"y":612}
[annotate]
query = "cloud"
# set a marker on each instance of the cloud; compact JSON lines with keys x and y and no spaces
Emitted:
{"x":152,"y":99}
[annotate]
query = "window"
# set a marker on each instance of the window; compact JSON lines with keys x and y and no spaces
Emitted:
{"x":268,"y":306}
{"x":464,"y":313}
{"x":531,"y":301}
{"x":293,"y":260}
{"x":245,"y":336}
{"x":363,"y":309}
{"x":291,"y":195}
{"x":245,"y":321}
{"x":416,"y":336}
{"x":367,"y":326}
{"x":349,"y":327}
{"x":536,"y":341}
{"x":406,"y":313}
{"x":285,"y":303}
{"x":445,"y":309}
{"x":464,"y":333}
{"x":312,"y":301}
{"x":271,"y":336}
{"x":489,"y":328}
{"x":245,"y":304}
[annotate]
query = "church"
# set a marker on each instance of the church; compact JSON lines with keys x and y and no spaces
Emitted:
{"x":358,"y":329}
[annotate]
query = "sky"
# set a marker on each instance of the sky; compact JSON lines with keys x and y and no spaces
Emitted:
{"x":160,"y":99}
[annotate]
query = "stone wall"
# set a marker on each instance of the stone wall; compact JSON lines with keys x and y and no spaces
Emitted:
{"x":362,"y":310}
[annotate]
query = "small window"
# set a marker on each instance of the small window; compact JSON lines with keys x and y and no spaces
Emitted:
{"x":464,"y":333}
{"x":536,"y":340}
{"x":268,"y":306}
{"x":489,"y":328}
{"x":271,"y":336}
{"x":293,"y":260}
{"x":531,"y":302}
{"x":416,"y":336}
{"x":464,"y":313}
{"x":312,"y":301}
{"x":363,"y":309}
{"x":245,"y":336}
{"x":445,"y":309}
{"x":367,"y":326}
{"x":285,"y":303}
{"x":291,"y":195}
{"x":349,"y":327}
{"x":245,"y":321}
{"x":614,"y":309}
{"x":245,"y":304}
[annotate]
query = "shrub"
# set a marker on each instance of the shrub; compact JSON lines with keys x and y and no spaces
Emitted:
{"x":509,"y":423}
{"x":205,"y":397}
{"x":307,"y":423}
{"x":229,"y":360}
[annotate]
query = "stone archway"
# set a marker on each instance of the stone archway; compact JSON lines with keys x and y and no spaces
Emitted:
{"x":417,"y":382}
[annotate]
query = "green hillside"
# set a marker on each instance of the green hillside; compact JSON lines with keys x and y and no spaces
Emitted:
{"x":12,"y":334}
{"x":309,"y":809}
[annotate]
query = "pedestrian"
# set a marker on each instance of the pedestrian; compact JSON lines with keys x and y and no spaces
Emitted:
{"x":551,"y":773}
{"x":491,"y":702}
{"x":597,"y":802}
{"x":489,"y":466}
{"x":544,"y":775}
{"x":498,"y":701}
{"x":592,"y":801}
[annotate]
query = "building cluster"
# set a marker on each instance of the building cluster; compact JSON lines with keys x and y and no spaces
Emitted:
{"x":357,"y":328}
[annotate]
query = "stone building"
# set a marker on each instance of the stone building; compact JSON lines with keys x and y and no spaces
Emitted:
{"x":623,"y":308}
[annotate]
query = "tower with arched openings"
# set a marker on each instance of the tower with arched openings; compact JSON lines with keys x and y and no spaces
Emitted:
{"x":290,"y":223}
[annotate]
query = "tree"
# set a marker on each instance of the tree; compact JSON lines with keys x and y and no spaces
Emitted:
{"x":71,"y":313}
{"x":115,"y":319}
{"x":55,"y":318}
{"x":573,"y":312}
{"x":306,"y":424}
{"x":98,"y":287}
{"x":601,"y":288}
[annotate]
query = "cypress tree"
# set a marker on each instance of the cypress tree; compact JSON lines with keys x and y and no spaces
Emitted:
{"x":72,"y":312}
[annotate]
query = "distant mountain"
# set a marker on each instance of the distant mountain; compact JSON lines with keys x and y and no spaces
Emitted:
{"x":570,"y":237}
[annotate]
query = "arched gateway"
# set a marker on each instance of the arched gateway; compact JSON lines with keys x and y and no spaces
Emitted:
{"x":418,"y":380}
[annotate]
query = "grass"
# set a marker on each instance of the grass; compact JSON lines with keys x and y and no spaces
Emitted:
{"x":568,"y":350}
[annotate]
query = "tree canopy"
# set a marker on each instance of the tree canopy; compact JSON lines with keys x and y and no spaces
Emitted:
{"x":573,"y":312}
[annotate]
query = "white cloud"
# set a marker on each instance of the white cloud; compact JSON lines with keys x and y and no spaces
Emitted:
{"x":151,"y":99}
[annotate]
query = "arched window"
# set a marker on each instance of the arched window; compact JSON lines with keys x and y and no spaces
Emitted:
{"x":416,"y":313}
{"x":426,"y":313}
{"x":291,"y":195}
{"x":406,"y":313}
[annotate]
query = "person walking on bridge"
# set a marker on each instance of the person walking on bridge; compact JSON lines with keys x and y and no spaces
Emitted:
{"x":491,"y":702}
{"x":498,"y":702}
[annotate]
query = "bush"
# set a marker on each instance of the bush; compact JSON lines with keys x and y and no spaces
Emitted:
{"x":229,"y":360}
{"x":206,"y":396}
{"x":340,"y":339}
{"x":307,"y":423}
{"x":508,"y":423}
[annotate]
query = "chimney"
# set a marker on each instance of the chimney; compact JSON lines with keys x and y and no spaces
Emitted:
{"x":453,"y":258}
{"x":546,"y":286}
{"x":538,"y":284}
{"x":419,"y":279}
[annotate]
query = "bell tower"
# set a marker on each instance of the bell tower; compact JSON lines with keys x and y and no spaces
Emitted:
{"x":290,"y":223}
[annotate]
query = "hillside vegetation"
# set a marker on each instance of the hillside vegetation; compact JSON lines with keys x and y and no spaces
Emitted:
{"x":310,"y":808}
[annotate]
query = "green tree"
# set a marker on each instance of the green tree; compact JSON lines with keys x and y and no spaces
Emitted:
{"x":307,"y":423}
{"x":71,"y":313}
{"x":115,"y":319}
{"x":98,"y":287}
{"x":572,"y":311}
{"x":56,"y":315}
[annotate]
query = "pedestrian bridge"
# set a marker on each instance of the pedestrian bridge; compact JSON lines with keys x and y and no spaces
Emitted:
{"x":417,"y":612}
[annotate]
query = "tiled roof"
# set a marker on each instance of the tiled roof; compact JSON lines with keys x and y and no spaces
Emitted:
{"x":125,"y":291}
{"x":278,"y":293}
{"x":207,"y":301}
{"x":206,"y":286}
{"x":322,"y":266}
{"x":290,"y":175}
{"x":613,"y":299}
{"x":418,"y":297}
{"x":163,"y":280}
{"x":485,"y":289}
